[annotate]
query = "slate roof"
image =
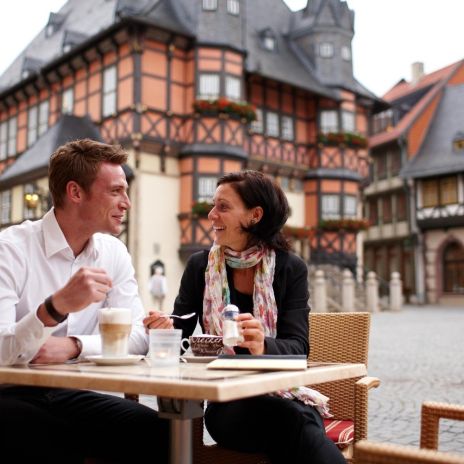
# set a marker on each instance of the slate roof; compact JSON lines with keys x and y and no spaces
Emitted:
{"x":80,"y":20}
{"x":34,"y":161}
{"x":437,"y":156}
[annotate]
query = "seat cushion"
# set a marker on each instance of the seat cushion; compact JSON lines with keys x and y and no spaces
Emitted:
{"x":341,"y":432}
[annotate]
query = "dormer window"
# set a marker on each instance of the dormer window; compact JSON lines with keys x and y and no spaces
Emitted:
{"x":326,"y":50}
{"x":55,"y":20}
{"x":233,"y":7}
{"x":458,"y":142}
{"x":209,"y":5}
{"x":268,"y":40}
{"x":346,"y":53}
{"x":50,"y":29}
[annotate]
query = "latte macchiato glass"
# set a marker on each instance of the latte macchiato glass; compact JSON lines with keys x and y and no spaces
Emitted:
{"x":115,"y":327}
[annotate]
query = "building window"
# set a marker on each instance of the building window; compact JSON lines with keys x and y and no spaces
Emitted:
{"x":346,"y":53}
{"x":209,"y":5}
{"x":233,"y":88}
{"x":5,"y":207}
{"x":31,"y":125}
{"x":330,"y":207}
{"x":395,"y":163}
{"x":296,"y":185}
{"x":12,"y":129}
{"x":386,"y":210}
{"x":233,"y":7}
{"x":373,"y":214}
{"x":257,"y":124}
{"x":3,"y":139}
{"x":328,"y":121}
{"x":350,"y":205}
{"x":380,"y":166}
{"x":109,"y":91}
{"x":67,"y":101}
{"x":326,"y":50}
{"x":348,"y":121}
{"x":209,"y":86}
{"x":272,"y":124}
{"x":269,"y":42}
{"x":439,"y":192}
{"x":401,"y":211}
{"x":287,"y":127}
{"x":453,"y":268}
{"x":43,"y":117}
{"x":206,"y":188}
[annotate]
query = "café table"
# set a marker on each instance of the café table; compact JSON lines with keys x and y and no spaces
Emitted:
{"x":180,"y":390}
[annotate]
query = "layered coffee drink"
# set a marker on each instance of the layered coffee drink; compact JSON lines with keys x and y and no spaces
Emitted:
{"x":115,"y":327}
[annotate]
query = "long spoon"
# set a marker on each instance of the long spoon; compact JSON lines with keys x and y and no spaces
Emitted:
{"x":184,"y":316}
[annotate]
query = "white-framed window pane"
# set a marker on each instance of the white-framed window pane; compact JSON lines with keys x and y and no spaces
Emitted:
{"x":269,"y":42}
{"x":67,"y":101}
{"x":109,"y":79}
{"x":43,"y":117}
{"x":326,"y":50}
{"x":3,"y":139}
{"x":349,"y":206}
{"x":5,"y":206}
{"x":209,"y":4}
{"x":257,"y":124}
{"x":12,"y":129}
{"x":109,"y":104}
{"x":287,"y":127}
{"x":109,"y":91}
{"x":348,"y":121}
{"x":206,"y":188}
{"x":330,"y":207}
{"x":272,"y":124}
{"x":31,"y":125}
{"x":233,"y":7}
{"x":346,"y":53}
{"x":233,"y":87}
{"x":209,"y":86}
{"x":329,"y":121}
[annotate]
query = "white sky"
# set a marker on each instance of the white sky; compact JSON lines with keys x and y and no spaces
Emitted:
{"x":389,"y":35}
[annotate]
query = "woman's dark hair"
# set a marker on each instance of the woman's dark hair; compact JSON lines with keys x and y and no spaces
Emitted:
{"x":256,"y":189}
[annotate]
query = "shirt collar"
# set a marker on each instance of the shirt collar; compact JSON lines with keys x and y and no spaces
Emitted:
{"x":55,"y":241}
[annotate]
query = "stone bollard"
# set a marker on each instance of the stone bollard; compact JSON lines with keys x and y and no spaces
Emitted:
{"x":372,"y":292}
{"x":320,"y":293}
{"x":396,"y":292}
{"x":347,"y":291}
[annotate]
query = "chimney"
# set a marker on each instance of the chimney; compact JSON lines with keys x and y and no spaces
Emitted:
{"x":417,"y":71}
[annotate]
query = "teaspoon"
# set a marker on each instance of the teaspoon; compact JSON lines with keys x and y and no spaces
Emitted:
{"x":184,"y":316}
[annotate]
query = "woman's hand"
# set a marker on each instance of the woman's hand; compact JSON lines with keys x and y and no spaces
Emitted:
{"x":253,"y":333}
{"x":157,"y":320}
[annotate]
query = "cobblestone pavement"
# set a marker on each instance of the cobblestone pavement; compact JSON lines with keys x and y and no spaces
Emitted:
{"x":418,"y":353}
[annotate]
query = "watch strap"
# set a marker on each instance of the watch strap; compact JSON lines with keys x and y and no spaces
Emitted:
{"x":53,"y":313}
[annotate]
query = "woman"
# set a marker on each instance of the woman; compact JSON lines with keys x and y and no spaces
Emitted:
{"x":250,"y":266}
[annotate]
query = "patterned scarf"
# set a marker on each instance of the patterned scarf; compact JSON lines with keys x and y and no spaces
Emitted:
{"x":217,"y":293}
{"x":217,"y":296}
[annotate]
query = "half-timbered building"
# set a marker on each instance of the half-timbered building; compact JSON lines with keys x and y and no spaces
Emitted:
{"x":194,"y":89}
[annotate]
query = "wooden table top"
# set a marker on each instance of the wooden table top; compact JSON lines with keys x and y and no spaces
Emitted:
{"x":187,"y":381}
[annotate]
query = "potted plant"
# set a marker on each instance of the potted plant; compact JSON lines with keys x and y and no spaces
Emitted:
{"x":201,"y":208}
{"x":241,"y":110}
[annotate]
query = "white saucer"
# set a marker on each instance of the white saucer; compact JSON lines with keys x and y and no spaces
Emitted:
{"x":198,"y":359}
{"x":116,"y":361}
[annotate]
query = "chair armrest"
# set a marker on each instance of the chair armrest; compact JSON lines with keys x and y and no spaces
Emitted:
{"x":366,"y":452}
{"x":361,"y":390}
{"x":431,"y":414}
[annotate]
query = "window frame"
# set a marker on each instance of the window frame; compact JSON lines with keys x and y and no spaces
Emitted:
{"x":67,"y":94}
{"x":272,"y":122}
{"x":287,"y":127}
{"x":12,"y":135}
{"x":257,"y":126}
{"x":202,"y":81}
{"x":351,"y":117}
{"x":3,"y":210}
{"x":230,"y":82}
{"x":331,"y":212}
{"x":4,"y":140}
{"x":354,"y":214}
{"x":109,"y":94}
{"x":206,"y":192}
{"x":233,"y":7}
{"x":326,"y":127}
{"x":326,"y":50}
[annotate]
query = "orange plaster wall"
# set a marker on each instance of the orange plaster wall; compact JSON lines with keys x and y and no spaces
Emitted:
{"x":301,"y":106}
{"x":178,"y":70}
{"x":186,"y":189}
{"x":154,"y":92}
{"x":94,"y":107}
{"x":109,"y":58}
{"x":351,"y":188}
{"x":232,"y":166}
{"x":81,"y":74}
{"x":94,"y":83}
{"x":209,"y":53}
{"x":209,"y":65}
{"x":178,"y":99}
{"x":125,"y":67}
{"x":154,"y":63}
{"x":328,"y":186}
{"x":232,"y":68}
{"x":186,"y":165}
{"x":311,"y":210}
{"x":419,"y":128}
{"x":79,"y":90}
{"x":208,"y":165}
{"x":361,"y":123}
{"x":67,"y":81}
{"x":79,"y":108}
{"x":272,"y":98}
{"x":301,"y":135}
{"x":125,"y":92}
{"x":256,"y":96}
{"x":234,"y":57}
{"x":287,"y":102}
{"x":95,"y":66}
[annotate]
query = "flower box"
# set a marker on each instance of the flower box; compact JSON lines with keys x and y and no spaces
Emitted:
{"x":346,"y":138}
{"x":201,"y":208}
{"x":223,"y":106}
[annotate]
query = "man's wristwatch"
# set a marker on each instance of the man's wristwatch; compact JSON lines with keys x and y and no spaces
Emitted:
{"x":78,"y":344}
{"x":52,"y":312}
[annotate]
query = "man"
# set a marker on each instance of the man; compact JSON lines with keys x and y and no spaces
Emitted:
{"x":54,"y":275}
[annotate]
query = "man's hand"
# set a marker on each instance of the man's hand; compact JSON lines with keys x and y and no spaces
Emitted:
{"x":158,"y":320}
{"x":56,"y":350}
{"x":253,"y":333}
{"x":88,"y":285}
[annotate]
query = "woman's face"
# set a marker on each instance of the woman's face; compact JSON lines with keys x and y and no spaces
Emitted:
{"x":228,"y":216}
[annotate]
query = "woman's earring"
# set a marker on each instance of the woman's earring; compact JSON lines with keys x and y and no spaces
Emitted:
{"x":253,"y":222}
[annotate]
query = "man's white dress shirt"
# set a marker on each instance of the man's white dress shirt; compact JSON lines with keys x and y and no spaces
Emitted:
{"x":36,"y":261}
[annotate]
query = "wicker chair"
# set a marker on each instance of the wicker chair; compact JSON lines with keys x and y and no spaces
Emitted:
{"x":382,"y":453}
{"x":334,"y":337}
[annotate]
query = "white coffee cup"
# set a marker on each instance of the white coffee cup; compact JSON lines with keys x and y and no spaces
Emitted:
{"x":164,"y":347}
{"x":115,"y":327}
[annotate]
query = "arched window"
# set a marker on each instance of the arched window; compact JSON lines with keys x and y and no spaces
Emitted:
{"x":453,"y":268}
